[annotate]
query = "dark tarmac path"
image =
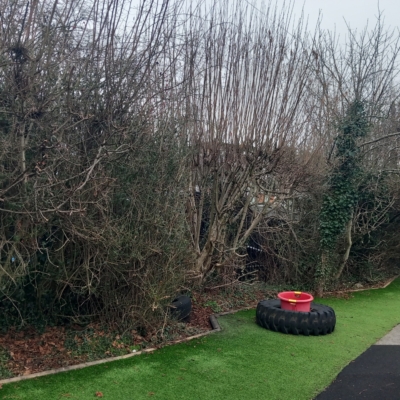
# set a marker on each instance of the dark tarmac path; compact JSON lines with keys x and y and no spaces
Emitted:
{"x":374,"y":375}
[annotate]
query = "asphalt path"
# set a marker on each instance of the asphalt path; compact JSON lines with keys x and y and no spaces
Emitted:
{"x":374,"y":375}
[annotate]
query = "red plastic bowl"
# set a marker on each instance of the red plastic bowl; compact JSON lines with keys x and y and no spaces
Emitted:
{"x":296,"y":301}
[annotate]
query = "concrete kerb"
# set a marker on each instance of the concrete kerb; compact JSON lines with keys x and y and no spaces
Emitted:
{"x":390,"y":339}
{"x":215,"y":328}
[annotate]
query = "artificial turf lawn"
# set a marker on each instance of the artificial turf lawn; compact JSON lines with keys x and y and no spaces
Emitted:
{"x":244,"y":361}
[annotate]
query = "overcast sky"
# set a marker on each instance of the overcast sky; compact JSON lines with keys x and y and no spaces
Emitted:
{"x":334,"y":12}
{"x":355,"y":12}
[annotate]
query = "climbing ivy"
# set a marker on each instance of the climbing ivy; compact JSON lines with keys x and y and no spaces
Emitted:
{"x":342,"y":195}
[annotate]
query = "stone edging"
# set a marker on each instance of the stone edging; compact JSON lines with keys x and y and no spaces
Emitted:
{"x":364,"y":289}
{"x":215,"y":328}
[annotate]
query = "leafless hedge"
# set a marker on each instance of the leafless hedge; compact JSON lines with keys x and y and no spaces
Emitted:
{"x":92,"y":169}
{"x":142,"y":149}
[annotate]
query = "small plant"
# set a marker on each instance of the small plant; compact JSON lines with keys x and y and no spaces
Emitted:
{"x":134,"y":348}
{"x":213,"y":305}
{"x":4,"y":371}
{"x":98,"y":344}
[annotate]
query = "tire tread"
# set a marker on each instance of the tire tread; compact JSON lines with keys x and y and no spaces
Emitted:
{"x":321,"y":320}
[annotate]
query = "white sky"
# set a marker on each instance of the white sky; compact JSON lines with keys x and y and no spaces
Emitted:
{"x":356,"y":12}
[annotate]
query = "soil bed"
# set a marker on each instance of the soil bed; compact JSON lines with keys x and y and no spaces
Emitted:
{"x":23,"y":352}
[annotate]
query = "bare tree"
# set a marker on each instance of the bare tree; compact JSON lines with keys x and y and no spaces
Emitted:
{"x":243,"y":108}
{"x":364,"y":69}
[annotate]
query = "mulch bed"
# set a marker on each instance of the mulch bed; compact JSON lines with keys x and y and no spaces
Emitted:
{"x":30,"y":351}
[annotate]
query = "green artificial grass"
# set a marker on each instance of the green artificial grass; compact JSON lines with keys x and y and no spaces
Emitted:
{"x":244,"y":361}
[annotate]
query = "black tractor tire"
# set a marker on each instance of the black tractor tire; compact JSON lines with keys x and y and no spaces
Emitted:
{"x":321,"y":320}
{"x":181,"y":307}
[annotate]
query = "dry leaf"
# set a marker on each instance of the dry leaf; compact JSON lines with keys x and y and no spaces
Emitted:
{"x":99,"y":394}
{"x":151,"y":393}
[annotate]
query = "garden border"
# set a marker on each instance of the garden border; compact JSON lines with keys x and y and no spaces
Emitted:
{"x":364,"y":289}
{"x":215,"y":328}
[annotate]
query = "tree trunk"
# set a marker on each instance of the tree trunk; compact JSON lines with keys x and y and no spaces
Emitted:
{"x":348,"y":243}
{"x":321,"y":279}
